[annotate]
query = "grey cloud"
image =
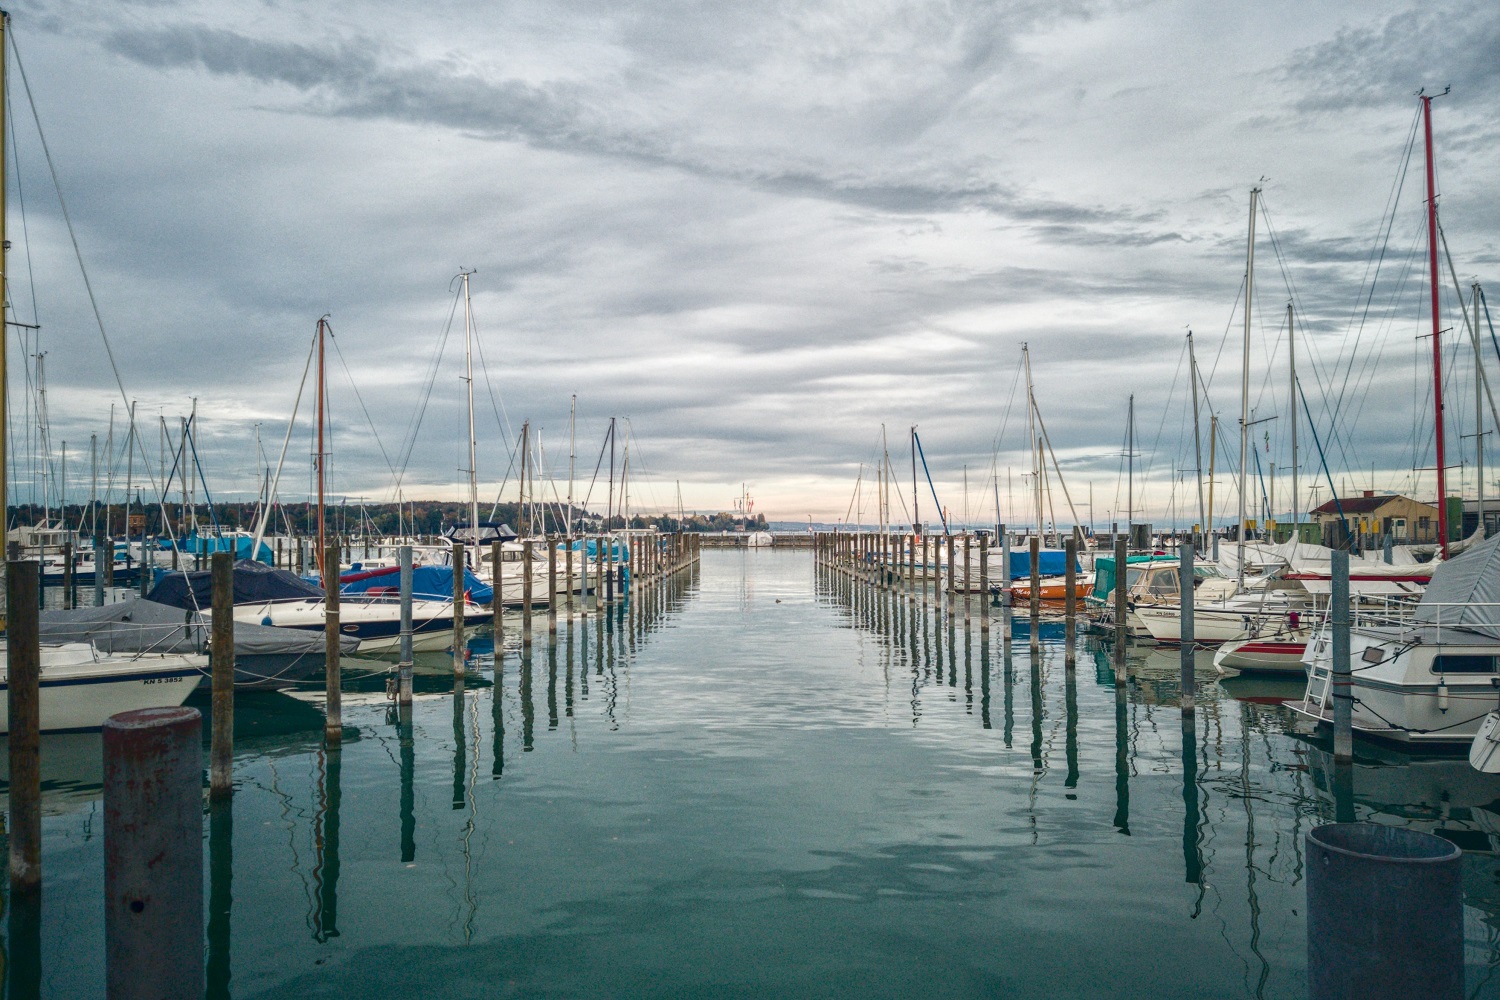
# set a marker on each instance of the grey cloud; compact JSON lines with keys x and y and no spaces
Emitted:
{"x":1431,"y":46}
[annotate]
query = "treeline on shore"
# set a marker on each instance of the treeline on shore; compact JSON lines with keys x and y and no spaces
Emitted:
{"x":417,"y":517}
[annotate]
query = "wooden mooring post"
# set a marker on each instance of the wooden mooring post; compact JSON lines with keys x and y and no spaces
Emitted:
{"x":984,"y":584}
{"x":1189,"y":680}
{"x":1070,"y":601}
{"x":404,"y":666}
{"x":1036,"y":593}
{"x":221,"y":750}
{"x":458,"y":607}
{"x":1122,"y":610}
{"x":1343,"y":678}
{"x":526,"y":593}
{"x":333,"y":715}
{"x":23,"y":705}
{"x":552,"y":588}
{"x":153,"y":854}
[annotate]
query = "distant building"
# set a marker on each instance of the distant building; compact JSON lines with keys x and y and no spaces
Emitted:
{"x":1373,"y":516}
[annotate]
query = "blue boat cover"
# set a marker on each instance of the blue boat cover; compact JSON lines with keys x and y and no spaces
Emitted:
{"x":208,"y":544}
{"x":1050,"y":562}
{"x":253,"y":583}
{"x":430,"y":582}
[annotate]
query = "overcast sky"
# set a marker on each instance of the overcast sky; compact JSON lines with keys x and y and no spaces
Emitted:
{"x":755,"y":232}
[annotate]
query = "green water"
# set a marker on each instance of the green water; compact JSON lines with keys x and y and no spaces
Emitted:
{"x":761,"y":782}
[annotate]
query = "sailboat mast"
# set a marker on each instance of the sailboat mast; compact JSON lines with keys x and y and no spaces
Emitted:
{"x":1291,"y":340}
{"x":1130,"y":464}
{"x":916,"y":518}
{"x":522,"y":525}
{"x":1239,"y":531}
{"x":1197,"y":439}
{"x":322,"y":398}
{"x":572,"y":456}
{"x":611,"y":515}
{"x":473,"y":444}
{"x":1437,"y":352}
{"x":1036,"y":448}
{"x":4,"y":298}
{"x":1478,"y":410}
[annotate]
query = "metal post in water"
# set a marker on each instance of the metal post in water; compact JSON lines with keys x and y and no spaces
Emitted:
{"x":526,"y":594}
{"x":1036,"y":593}
{"x":1186,"y":576}
{"x":153,"y":854}
{"x":333,"y":716}
{"x":1122,"y":611}
{"x":950,"y":574}
{"x":968,"y":584}
{"x":459,"y":645}
{"x":1384,"y":913}
{"x":221,"y":753}
{"x":23,"y":703}
{"x":67,"y":583}
{"x":984,"y":583}
{"x":404,"y":667}
{"x":1070,"y":600}
{"x":552,"y":587}
{"x":1343,"y":690}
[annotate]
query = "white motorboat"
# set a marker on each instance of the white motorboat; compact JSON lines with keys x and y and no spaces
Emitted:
{"x":80,"y":687}
{"x":1428,"y":676}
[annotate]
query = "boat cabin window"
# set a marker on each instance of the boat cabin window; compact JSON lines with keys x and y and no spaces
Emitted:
{"x":1164,"y":583}
{"x":1452,"y":663}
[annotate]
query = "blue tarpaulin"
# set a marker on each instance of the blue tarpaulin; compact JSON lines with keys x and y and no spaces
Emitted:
{"x":209,"y":544}
{"x":431,"y":582}
{"x":1050,"y":562}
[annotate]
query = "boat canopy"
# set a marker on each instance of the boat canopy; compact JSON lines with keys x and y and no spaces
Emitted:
{"x":1050,"y":562}
{"x":254,"y":583}
{"x":433,"y":583}
{"x":142,"y":626}
{"x":489,"y":533}
{"x":208,"y":544}
{"x":1465,"y":592}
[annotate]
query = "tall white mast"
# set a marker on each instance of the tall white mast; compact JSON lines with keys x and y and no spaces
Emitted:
{"x":1478,"y":411}
{"x":1197,"y":443}
{"x":1291,"y":339}
{"x":473,"y":444}
{"x":572,"y":456}
{"x":1239,"y":532}
{"x":1036,"y":454}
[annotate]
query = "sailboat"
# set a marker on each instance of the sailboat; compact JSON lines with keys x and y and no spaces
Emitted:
{"x":80,"y":687}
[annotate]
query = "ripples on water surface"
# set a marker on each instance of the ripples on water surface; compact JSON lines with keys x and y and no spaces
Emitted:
{"x":762,"y":782}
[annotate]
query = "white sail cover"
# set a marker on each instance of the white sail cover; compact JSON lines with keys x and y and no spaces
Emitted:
{"x":1466,"y":591}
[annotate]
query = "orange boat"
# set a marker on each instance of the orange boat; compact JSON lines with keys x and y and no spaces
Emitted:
{"x":1053,"y":588}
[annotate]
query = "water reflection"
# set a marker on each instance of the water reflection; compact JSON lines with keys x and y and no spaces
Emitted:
{"x":220,"y":896}
{"x":324,"y":918}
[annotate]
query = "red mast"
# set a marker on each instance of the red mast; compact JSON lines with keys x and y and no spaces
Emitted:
{"x":1437,"y":354}
{"x":322,"y":396}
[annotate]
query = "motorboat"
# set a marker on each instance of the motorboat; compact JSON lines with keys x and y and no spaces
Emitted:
{"x":81,"y":687}
{"x":1422,"y":674}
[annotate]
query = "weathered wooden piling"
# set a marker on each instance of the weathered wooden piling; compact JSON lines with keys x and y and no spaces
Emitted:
{"x":552,"y":587}
{"x":568,"y":572}
{"x":221,"y":752}
{"x":526,"y":593}
{"x":984,"y":583}
{"x":404,"y":666}
{"x":1007,"y":595}
{"x":1343,"y":678}
{"x":153,"y":854}
{"x":1189,"y":641}
{"x":951,"y":576}
{"x":459,"y":645}
{"x":1070,"y":600}
{"x":69,"y":598}
{"x":23,"y":703}
{"x":968,"y":584}
{"x":333,"y":713}
{"x":1122,"y":611}
{"x":1036,"y":593}
{"x":99,"y":563}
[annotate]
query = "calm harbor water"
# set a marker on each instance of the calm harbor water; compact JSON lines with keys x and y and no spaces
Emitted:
{"x":760,"y":781}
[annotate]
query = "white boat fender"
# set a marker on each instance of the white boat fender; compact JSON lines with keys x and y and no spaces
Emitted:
{"x":1442,"y":696}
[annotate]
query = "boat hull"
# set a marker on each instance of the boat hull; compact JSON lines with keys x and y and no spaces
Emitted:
{"x":83,"y":694}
